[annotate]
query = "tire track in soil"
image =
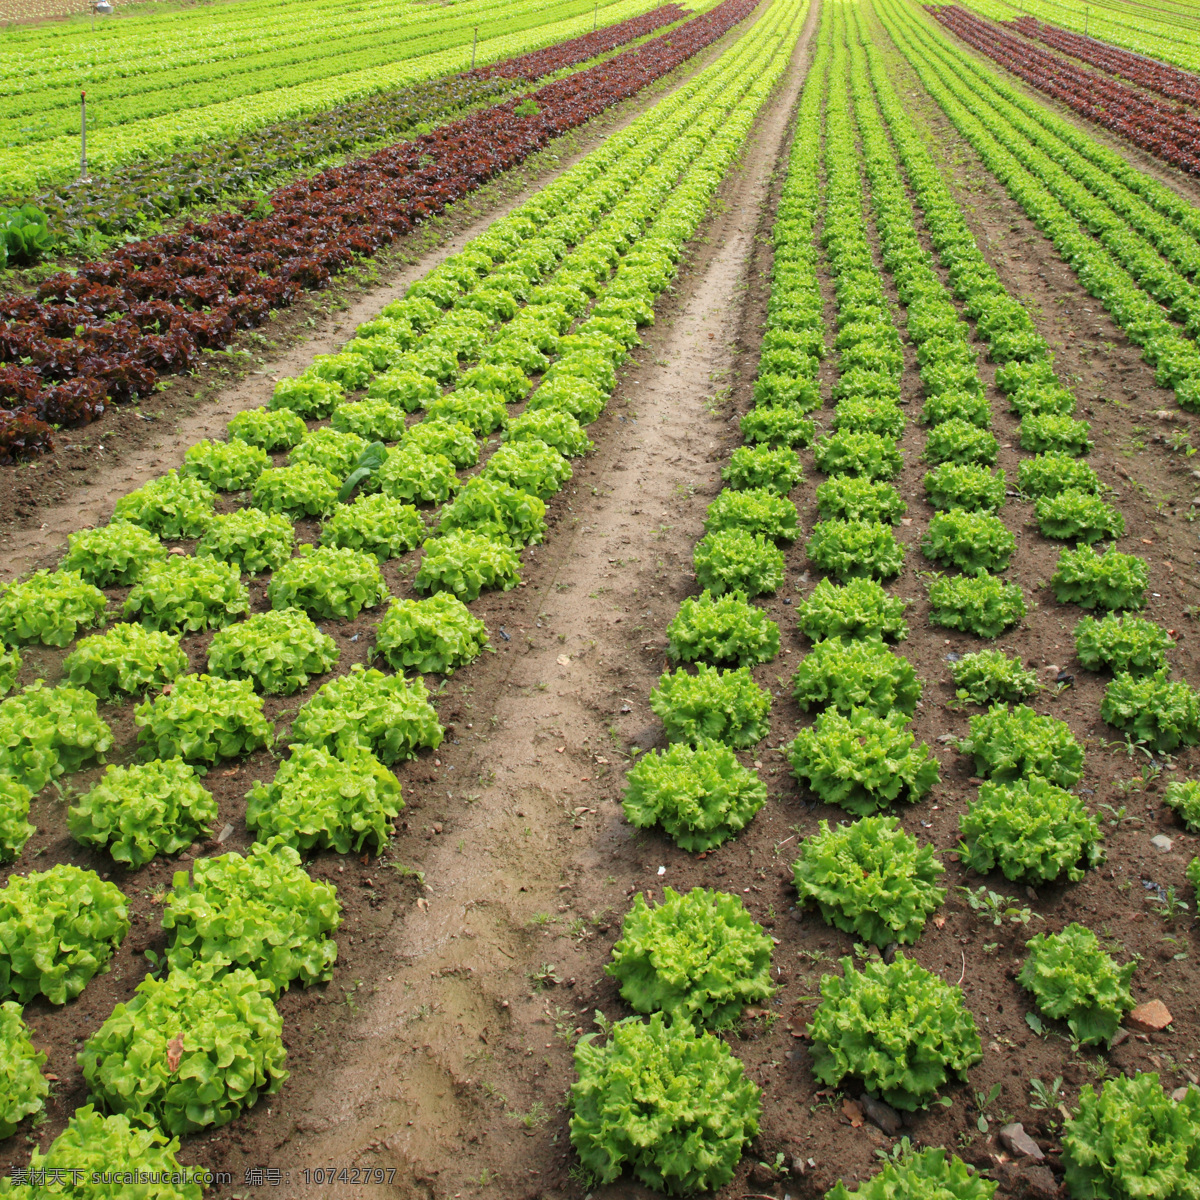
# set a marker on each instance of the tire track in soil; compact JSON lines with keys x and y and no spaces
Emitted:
{"x":455,"y":1045}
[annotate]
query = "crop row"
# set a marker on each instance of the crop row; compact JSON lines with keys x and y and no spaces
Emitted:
{"x":509,"y":303}
{"x":1161,"y":129}
{"x":104,"y":334}
{"x":1159,"y":77}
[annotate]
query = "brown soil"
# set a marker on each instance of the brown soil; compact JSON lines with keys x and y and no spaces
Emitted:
{"x":442,"y":1047}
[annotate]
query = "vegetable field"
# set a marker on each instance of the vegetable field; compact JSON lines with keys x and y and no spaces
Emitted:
{"x":617,"y":621}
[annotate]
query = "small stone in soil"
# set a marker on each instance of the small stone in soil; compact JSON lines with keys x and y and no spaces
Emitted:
{"x":1016,"y":1141}
{"x":1161,"y":843}
{"x":878,"y":1113}
{"x":1151,"y":1017}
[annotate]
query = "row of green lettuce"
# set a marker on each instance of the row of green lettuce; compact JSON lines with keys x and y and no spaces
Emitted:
{"x":198,"y":1045}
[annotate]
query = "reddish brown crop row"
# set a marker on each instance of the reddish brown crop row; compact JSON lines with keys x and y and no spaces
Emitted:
{"x":108,"y":332}
{"x":1161,"y":129}
{"x":1160,"y":77}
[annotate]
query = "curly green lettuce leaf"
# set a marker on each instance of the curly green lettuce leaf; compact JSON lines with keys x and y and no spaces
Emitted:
{"x":114,"y":554}
{"x":251,"y":540}
{"x":188,"y":595}
{"x":1020,"y":743}
{"x":980,"y":604}
{"x":924,"y":1175}
{"x":171,"y":505}
{"x":328,"y":582}
{"x":857,"y":609}
{"x":49,"y":607}
{"x":722,"y":705}
{"x":203,"y":719}
{"x":862,"y":673}
{"x":127,"y":660}
{"x":23,"y":1087}
{"x":724,"y":631}
{"x":990,"y":675}
{"x":437,"y":634}
{"x":1157,"y":711}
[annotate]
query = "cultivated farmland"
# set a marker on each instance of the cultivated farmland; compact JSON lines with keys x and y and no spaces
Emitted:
{"x":601,"y":601}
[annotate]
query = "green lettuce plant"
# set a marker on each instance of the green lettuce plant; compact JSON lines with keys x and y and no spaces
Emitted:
{"x":262,"y":912}
{"x":1121,"y":643}
{"x":58,"y":928}
{"x":49,"y":607}
{"x":481,"y":412}
{"x":529,"y":466}
{"x":697,"y":957}
{"x":141,"y":811}
{"x":466,"y":563}
{"x":303,"y":490}
{"x":857,"y":498}
{"x":447,"y":438}
{"x":981,"y":604}
{"x":859,"y":608}
{"x":959,"y":441}
{"x":386,"y":714}
{"x":966,"y":486}
{"x":188,"y":595}
{"x":975,"y":542}
{"x":1053,"y":472}
{"x":1073,"y":515}
{"x":781,"y":425}
{"x":1155,"y":710}
{"x":317,"y":799}
{"x":350,"y":371}
{"x":328,"y":582}
{"x":496,"y":510}
{"x":279,"y":651}
{"x":879,"y":415}
{"x":776,"y":468}
{"x":15,"y":830}
{"x":869,"y":878}
{"x":1031,"y":830}
{"x":1073,"y":979}
{"x":188,"y":1052}
{"x":990,"y":675}
{"x":309,"y":397}
{"x":862,"y":762}
{"x":225,"y":466}
{"x":700,"y":795}
{"x":171,"y":505}
{"x":1054,"y":431}
{"x":23,"y":1087}
{"x":724,"y":705}
{"x":1132,"y":1141}
{"x":10,"y":668}
{"x":203,"y":719}
{"x":862,"y":673}
{"x":918,"y":1176}
{"x":856,"y":549}
{"x":735,"y":560}
{"x":957,"y":406}
{"x":435,"y":635}
{"x":555,"y":428}
{"x":755,"y":510}
{"x":334,"y":452}
{"x":270,"y":430}
{"x":577,"y":397}
{"x":848,"y":452}
{"x":724,"y":630}
{"x":379,"y":524}
{"x":897,"y":1027}
{"x":113,"y":554}
{"x":373,"y":420}
{"x":411,"y":474}
{"x":251,"y":540}
{"x":1183,"y":795}
{"x":694,"y":1110}
{"x":1020,"y":743}
{"x":128,"y":659}
{"x":405,"y":388}
{"x":47,"y":732}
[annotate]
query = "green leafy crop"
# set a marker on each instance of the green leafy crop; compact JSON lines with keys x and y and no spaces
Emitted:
{"x":920,"y":1176}
{"x":1054,"y":472}
{"x":975,"y":542}
{"x":496,"y":510}
{"x":1160,"y":712}
{"x":308,"y":396}
{"x":451,"y":440}
{"x":1020,"y":743}
{"x":529,"y":466}
{"x":410,"y":474}
{"x":46,"y":732}
{"x":188,"y":595}
{"x":1183,"y":795}
{"x":23,"y":1087}
{"x":251,"y":540}
{"x":304,"y":490}
{"x":964,"y":406}
{"x":171,"y":505}
{"x":879,"y":415}
{"x":1054,"y":431}
{"x":724,"y":705}
{"x":1131,"y":1141}
{"x":735,"y":560}
{"x":856,"y":549}
{"x":480,"y":411}
{"x":15,"y":830}
{"x":116,"y":553}
{"x":860,"y":608}
{"x":897,"y":1027}
{"x":698,"y":957}
{"x":776,"y":468}
{"x":225,"y":466}
{"x":1121,"y":644}
{"x":378,"y":524}
{"x":49,"y":607}
{"x":404,"y":388}
{"x":10,"y":668}
{"x":755,"y":510}
{"x":1074,"y":980}
{"x":319,"y":800}
{"x":58,"y":928}
{"x":1031,"y":830}
{"x":203,"y":719}
{"x":188,"y":1052}
{"x":278,"y":429}
{"x":724,"y":631}
{"x":959,"y":441}
{"x":862,"y":673}
{"x":385,"y":714}
{"x":856,"y":498}
{"x":982,"y":605}
{"x":328,"y":582}
{"x":555,"y":428}
{"x":990,"y":675}
{"x":262,"y":912}
{"x":783,"y":425}
{"x":1073,"y":515}
{"x":143,"y":810}
{"x":438,"y":634}
{"x":664,"y":1101}
{"x":465,"y":563}
{"x":870,"y":878}
{"x":847,"y":452}
{"x":701,"y":795}
{"x":372,"y":420}
{"x":327,"y":448}
{"x":862,"y":762}
{"x":128,"y":659}
{"x":963,"y":485}
{"x":279,"y":651}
